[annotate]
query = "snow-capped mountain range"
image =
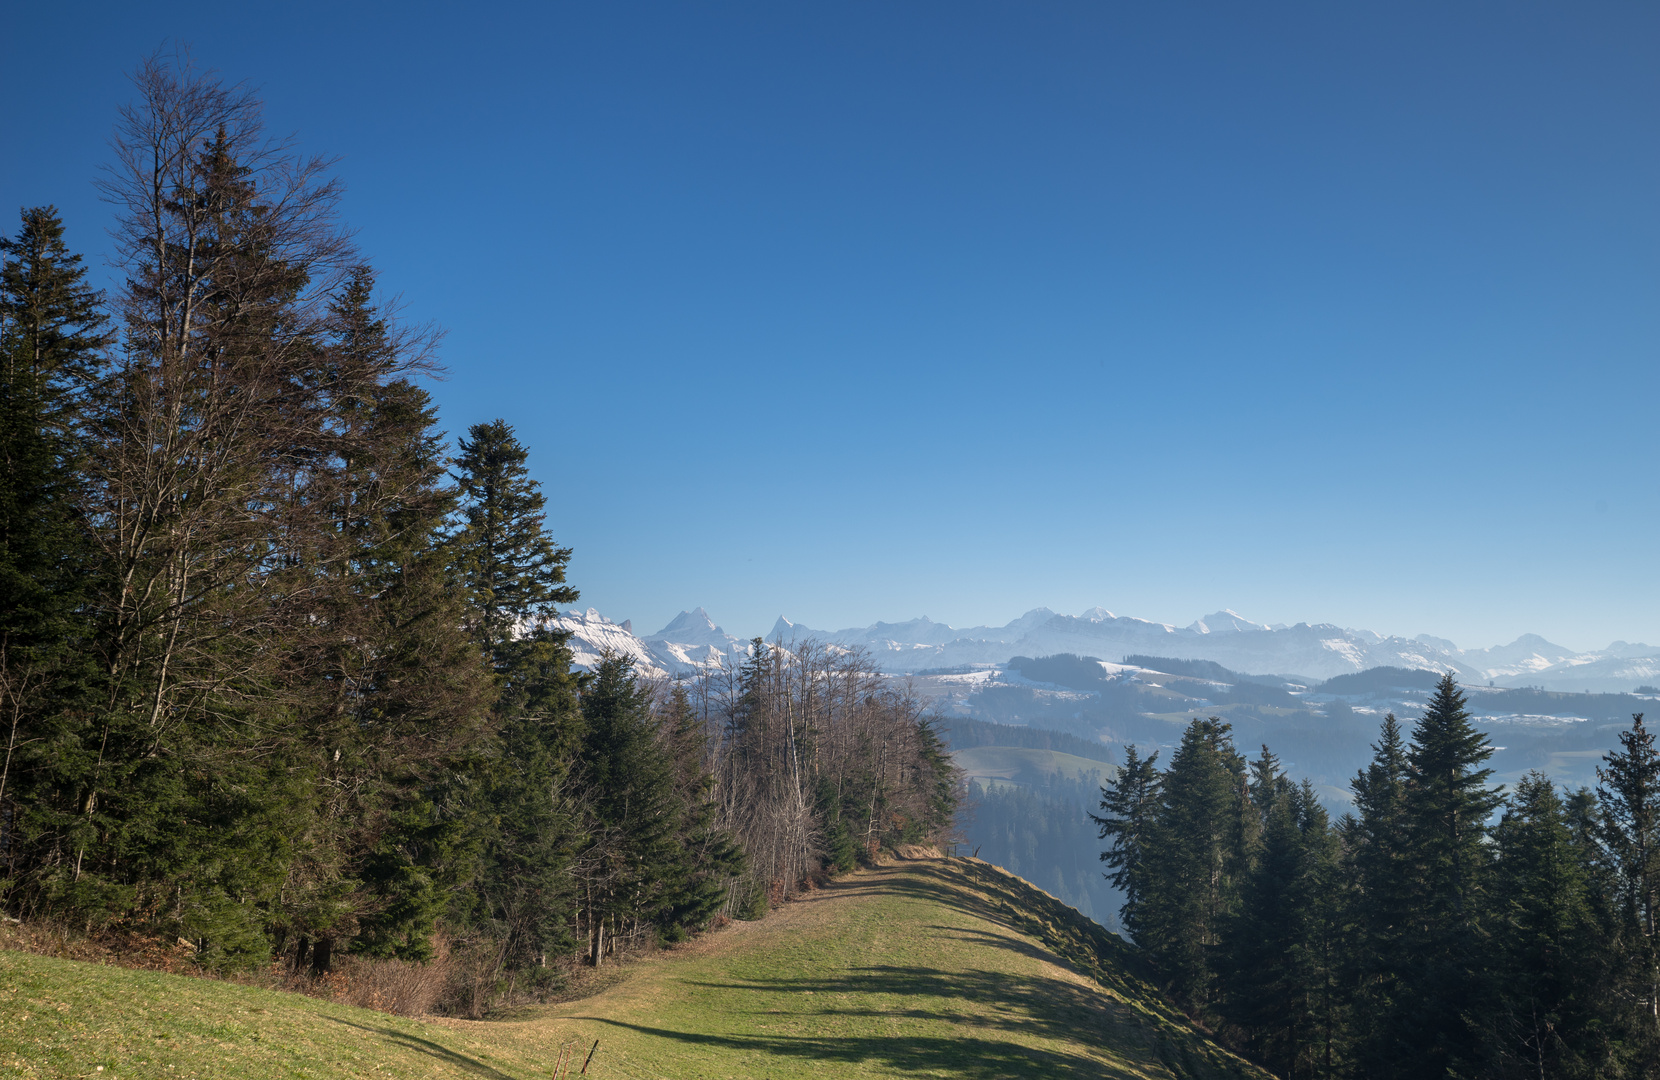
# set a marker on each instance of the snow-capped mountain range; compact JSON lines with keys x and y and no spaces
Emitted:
{"x":692,"y":641}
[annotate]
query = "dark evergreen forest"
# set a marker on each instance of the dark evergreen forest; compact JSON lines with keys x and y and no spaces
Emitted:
{"x":276,"y":668}
{"x":1445,"y":928}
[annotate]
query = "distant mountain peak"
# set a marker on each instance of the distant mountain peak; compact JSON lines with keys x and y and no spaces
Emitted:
{"x":1226,"y":621}
{"x":696,"y":620}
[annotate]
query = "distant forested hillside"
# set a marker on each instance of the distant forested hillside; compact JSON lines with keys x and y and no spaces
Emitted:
{"x":963,"y":732}
{"x":1045,"y":835}
{"x":1036,"y":823}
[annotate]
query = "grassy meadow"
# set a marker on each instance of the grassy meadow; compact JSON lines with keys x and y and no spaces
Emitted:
{"x":941,"y":968}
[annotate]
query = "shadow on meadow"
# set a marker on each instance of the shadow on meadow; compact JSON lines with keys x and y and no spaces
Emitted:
{"x":1103,"y":1022}
{"x":978,"y":1004}
{"x":1032,"y":1005}
{"x":959,"y":1056}
{"x":992,"y":1002}
{"x":428,"y":1047}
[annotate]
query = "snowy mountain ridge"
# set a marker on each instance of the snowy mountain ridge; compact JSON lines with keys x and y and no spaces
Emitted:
{"x":692,"y":642}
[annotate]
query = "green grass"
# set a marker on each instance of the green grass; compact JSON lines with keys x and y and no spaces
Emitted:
{"x":925,"y":968}
{"x":1004,"y":764}
{"x":62,"y":1018}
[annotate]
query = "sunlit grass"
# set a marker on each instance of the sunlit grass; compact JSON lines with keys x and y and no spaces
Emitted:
{"x":927,"y":968}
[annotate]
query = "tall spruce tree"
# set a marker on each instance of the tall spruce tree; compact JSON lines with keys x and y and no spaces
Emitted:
{"x":1283,"y":982}
{"x":1199,"y":831}
{"x":52,"y":341}
{"x":189,"y":806}
{"x":1545,"y":1025}
{"x":1379,"y":860}
{"x":1629,"y":792}
{"x":712,"y":856}
{"x":514,"y":571}
{"x":637,"y":866}
{"x":1129,"y":807}
{"x":1264,"y":992}
{"x":514,"y":576}
{"x":1446,"y":976}
{"x":404,"y":716}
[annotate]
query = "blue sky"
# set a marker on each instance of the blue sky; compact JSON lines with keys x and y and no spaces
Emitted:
{"x":868,"y":311}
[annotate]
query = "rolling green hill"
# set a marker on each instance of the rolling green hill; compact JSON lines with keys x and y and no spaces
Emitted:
{"x":941,"y":968}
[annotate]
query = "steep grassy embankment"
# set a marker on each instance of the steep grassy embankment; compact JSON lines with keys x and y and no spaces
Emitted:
{"x":925,"y":968}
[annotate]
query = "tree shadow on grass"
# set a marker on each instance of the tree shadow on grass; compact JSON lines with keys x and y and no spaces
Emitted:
{"x":1152,"y":1031}
{"x":971,"y":888}
{"x":966,"y":1057}
{"x":1007,"y":943}
{"x":430,"y":1048}
{"x":1028,"y":1006}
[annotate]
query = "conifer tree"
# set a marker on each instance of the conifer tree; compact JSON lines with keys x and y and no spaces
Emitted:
{"x":712,"y":856}
{"x":1378,"y":854}
{"x":403,"y":714}
{"x":515,"y":575}
{"x":1199,"y":830}
{"x":637,"y":866}
{"x":1446,"y":978}
{"x":1264,"y":989}
{"x":1545,"y":928}
{"x":1629,"y":792}
{"x":1129,"y":806}
{"x":1329,"y":926}
{"x":181,"y":783}
{"x":52,"y":338}
{"x":51,"y":342}
{"x":1283,"y":979}
{"x":514,"y":572}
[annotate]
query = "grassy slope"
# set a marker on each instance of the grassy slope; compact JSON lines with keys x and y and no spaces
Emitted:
{"x":926,"y":968}
{"x":997,"y":763}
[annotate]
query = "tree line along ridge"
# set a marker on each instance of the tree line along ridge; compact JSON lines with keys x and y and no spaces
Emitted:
{"x":1443,"y":928}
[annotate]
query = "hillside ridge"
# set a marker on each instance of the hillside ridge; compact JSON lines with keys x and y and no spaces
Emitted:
{"x":925,"y":966}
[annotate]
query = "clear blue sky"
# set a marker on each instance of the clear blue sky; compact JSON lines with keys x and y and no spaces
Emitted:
{"x":1323,"y":312}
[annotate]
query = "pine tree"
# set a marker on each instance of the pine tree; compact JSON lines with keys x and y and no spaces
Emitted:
{"x":1264,"y":992}
{"x":1268,"y":782}
{"x":51,"y":342}
{"x":1283,"y":978}
{"x":1446,"y":983}
{"x":1379,"y":859}
{"x":713,"y":857}
{"x":1628,"y":790}
{"x":1323,"y":955}
{"x":514,"y":572}
{"x":182,"y":784}
{"x":638,"y":867}
{"x":1546,"y":931}
{"x":1199,"y":831}
{"x":1613,"y":1037}
{"x":1129,"y":806}
{"x":402,"y":719}
{"x":515,"y":575}
{"x":52,"y":339}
